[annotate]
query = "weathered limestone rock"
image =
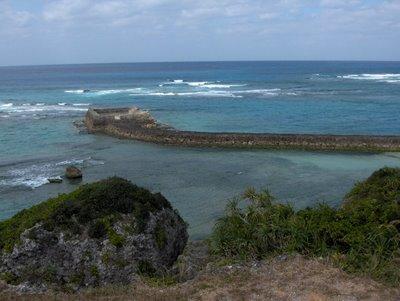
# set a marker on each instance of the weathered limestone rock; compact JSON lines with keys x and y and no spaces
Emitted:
{"x":74,"y":249}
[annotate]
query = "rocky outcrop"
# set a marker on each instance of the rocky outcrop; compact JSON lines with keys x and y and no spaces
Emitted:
{"x":73,"y":172}
{"x":133,"y":123}
{"x":104,"y":233}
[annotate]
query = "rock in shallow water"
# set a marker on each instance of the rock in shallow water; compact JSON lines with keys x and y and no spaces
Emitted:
{"x":73,"y":172}
{"x":104,"y":233}
{"x":54,"y":180}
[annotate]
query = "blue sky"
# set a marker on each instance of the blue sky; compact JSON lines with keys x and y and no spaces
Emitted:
{"x":85,"y":31}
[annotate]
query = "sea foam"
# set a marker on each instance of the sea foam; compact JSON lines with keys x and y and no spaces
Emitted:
{"x":37,"y":174}
{"x":75,"y":91}
{"x":29,"y":109}
{"x":220,"y":93}
{"x":209,"y":93}
{"x":103,"y":92}
{"x":201,"y":84}
{"x":384,"y":77}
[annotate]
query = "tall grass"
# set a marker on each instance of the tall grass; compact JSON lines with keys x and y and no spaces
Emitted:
{"x":362,"y":236}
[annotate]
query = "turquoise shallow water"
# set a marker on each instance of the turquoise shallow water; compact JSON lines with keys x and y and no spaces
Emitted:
{"x":38,"y":105}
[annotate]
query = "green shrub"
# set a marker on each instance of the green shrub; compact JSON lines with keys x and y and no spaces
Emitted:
{"x":383,"y":185}
{"x":78,"y":278}
{"x":10,"y":278}
{"x":89,"y":204}
{"x":145,"y":268}
{"x":115,"y":238}
{"x":362,"y":236}
{"x":97,"y":229}
{"x":106,"y":258}
{"x":160,"y":237}
{"x":94,"y":271}
{"x":49,"y":273}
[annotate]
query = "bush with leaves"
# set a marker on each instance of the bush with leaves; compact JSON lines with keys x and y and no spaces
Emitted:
{"x":362,"y":236}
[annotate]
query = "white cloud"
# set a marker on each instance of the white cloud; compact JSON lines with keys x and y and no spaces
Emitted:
{"x":13,"y":21}
{"x":340,"y":3}
{"x":268,"y":22}
{"x":65,"y":10}
{"x":256,"y":16}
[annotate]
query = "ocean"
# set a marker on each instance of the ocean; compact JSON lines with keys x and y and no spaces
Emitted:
{"x":38,"y":105}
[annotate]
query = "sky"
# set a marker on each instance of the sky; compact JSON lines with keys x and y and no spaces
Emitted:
{"x":34,"y":32}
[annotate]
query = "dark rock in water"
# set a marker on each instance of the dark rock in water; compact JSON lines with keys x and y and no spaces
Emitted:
{"x":73,"y":172}
{"x":80,"y":126}
{"x":108,"y":232}
{"x":86,"y":91}
{"x":54,"y":180}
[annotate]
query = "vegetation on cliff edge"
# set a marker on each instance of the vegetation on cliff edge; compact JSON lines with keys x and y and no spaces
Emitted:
{"x":362,"y":236}
{"x":96,"y":205}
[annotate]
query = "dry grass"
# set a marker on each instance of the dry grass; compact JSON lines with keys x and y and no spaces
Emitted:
{"x":295,"y":278}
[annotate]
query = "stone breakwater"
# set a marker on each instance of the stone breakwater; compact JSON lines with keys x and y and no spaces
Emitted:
{"x":133,"y":123}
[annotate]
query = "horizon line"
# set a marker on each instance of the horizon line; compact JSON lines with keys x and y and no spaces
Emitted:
{"x":199,"y":61}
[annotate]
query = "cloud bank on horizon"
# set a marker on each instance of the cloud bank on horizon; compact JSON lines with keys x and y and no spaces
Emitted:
{"x":75,"y":31}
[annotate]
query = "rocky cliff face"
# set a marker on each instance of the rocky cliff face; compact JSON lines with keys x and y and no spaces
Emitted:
{"x":104,"y":233}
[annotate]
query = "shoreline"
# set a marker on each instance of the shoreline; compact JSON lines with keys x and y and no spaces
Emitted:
{"x":134,"y":123}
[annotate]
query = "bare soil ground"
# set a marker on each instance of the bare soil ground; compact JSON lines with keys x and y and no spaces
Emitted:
{"x":293,"y":278}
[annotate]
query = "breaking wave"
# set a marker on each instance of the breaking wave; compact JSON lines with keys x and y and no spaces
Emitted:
{"x":36,"y":175}
{"x":204,"y":84}
{"x":210,"y":93}
{"x":38,"y":109}
{"x":224,"y":93}
{"x":263,"y":92}
{"x":183,"y":88}
{"x":385,"y":77}
{"x":103,"y":92}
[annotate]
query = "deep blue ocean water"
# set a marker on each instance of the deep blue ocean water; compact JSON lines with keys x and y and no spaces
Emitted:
{"x":39,"y":103}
